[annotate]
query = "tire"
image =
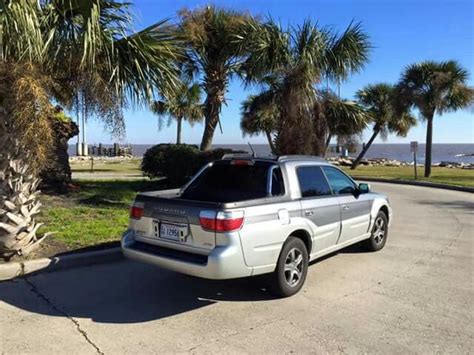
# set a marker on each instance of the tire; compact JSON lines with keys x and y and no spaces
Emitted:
{"x":292,"y":267}
{"x":379,"y":234}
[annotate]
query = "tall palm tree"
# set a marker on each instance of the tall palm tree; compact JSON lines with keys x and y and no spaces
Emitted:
{"x":435,"y":88}
{"x":211,"y":33}
{"x":70,"y":52}
{"x":299,"y":58}
{"x":380,"y":101}
{"x":183,"y":104}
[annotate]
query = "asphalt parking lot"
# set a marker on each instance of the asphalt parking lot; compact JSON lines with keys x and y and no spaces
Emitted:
{"x":416,"y":295}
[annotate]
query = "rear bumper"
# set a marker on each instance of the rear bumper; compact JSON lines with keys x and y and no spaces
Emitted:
{"x":222,"y":263}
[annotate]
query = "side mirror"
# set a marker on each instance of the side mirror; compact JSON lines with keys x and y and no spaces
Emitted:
{"x":364,"y":188}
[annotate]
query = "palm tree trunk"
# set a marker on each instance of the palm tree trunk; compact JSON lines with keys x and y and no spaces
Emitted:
{"x":328,"y":141}
{"x":270,"y":141}
{"x":212,"y":107}
{"x":19,"y":204}
{"x":178,"y":133}
{"x":206,"y":142}
{"x":366,"y":148}
{"x":429,"y":141}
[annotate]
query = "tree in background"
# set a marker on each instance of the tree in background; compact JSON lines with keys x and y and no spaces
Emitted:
{"x":331,"y":116}
{"x":298,"y":59}
{"x":211,"y":34}
{"x":380,"y":100}
{"x":183,"y":104}
{"x":339,"y":117}
{"x":434,"y":88}
{"x":81,"y":54}
{"x":55,"y":174}
{"x":259,"y":115}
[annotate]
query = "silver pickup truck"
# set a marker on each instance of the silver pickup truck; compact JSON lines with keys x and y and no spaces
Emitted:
{"x":244,"y":216}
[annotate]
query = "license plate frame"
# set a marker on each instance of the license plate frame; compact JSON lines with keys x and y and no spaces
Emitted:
{"x":170,"y":231}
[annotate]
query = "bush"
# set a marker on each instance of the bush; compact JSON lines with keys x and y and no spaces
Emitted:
{"x":178,"y":162}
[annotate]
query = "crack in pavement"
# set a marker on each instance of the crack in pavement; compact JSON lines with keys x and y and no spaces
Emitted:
{"x":41,"y":296}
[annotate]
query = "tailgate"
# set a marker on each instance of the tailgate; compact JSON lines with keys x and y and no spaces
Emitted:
{"x":174,"y":223}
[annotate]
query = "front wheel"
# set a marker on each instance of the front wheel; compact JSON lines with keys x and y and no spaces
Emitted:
{"x":292,"y":267}
{"x":379,"y":233}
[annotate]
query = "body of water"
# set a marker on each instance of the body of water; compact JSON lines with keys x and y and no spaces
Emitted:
{"x":462,"y":153}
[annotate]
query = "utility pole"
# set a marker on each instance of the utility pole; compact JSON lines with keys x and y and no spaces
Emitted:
{"x":84,"y":123}
{"x":78,"y":121}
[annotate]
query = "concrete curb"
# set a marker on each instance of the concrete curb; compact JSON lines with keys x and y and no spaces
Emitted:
{"x":417,"y":183}
{"x":10,"y":271}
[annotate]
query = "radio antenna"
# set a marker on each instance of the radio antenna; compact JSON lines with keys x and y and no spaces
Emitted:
{"x":253,"y":151}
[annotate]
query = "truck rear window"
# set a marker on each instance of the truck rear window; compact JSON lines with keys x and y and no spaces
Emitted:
{"x":224,"y":182}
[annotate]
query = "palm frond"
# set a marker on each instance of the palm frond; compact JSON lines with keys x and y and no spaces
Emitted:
{"x":435,"y":87}
{"x":259,"y":113}
{"x":20,"y":31}
{"x":347,"y":53}
{"x":343,"y":117}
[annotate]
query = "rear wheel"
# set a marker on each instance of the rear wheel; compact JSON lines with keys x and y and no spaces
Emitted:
{"x":291,"y":270}
{"x":379,"y":233}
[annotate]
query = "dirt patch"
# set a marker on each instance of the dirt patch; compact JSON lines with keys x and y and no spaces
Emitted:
{"x":52,"y":247}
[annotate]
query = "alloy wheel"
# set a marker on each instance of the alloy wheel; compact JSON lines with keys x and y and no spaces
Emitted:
{"x":379,"y":232}
{"x":293,"y":267}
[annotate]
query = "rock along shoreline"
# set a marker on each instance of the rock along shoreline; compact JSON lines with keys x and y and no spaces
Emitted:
{"x":394,"y":163}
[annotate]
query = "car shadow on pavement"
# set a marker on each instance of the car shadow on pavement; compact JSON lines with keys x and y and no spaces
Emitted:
{"x":124,"y":292}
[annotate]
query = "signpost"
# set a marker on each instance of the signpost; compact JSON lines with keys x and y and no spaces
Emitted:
{"x":414,"y":150}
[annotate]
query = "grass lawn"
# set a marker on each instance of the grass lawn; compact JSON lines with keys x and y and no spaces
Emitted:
{"x":126,"y":166}
{"x":460,"y":177}
{"x":96,"y":213}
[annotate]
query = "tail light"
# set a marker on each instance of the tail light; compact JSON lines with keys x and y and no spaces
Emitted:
{"x":222,"y":221}
{"x":136,"y":211}
{"x":241,"y":162}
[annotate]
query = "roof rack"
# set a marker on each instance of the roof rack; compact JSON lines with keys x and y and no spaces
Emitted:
{"x":282,"y":158}
{"x":247,"y":156}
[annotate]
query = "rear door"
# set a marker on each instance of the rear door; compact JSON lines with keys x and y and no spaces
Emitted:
{"x":355,"y":209}
{"x":319,"y":206}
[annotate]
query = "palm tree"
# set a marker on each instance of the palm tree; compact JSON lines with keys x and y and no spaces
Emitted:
{"x":183,"y":104}
{"x":380,"y":100}
{"x":435,"y":88}
{"x":331,"y":116}
{"x":299,"y":58}
{"x":211,"y":33}
{"x":259,"y":114}
{"x":340,"y":117}
{"x":81,"y":54}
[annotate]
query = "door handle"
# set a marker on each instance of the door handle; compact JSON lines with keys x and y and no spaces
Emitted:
{"x":308,"y":213}
{"x":345,"y":207}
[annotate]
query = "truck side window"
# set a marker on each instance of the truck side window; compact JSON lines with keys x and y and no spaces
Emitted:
{"x":278,"y":187}
{"x":312,"y":181}
{"x":340,"y":183}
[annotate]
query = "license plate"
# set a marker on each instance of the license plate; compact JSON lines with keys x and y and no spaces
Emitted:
{"x":171,"y":231}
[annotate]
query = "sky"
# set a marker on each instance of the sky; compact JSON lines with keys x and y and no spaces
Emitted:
{"x":402,"y":32}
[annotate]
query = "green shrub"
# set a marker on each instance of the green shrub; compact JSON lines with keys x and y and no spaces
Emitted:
{"x":178,"y":162}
